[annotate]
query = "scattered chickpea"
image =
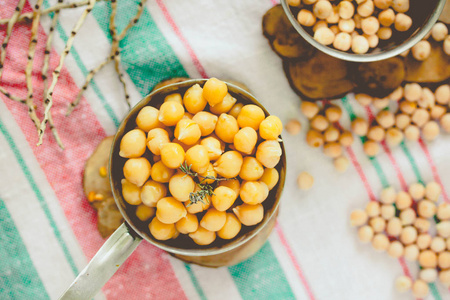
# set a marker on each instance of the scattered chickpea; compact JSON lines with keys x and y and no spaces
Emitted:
{"x":324,"y":35}
{"x":444,"y":260}
{"x":387,"y":212}
{"x":378,"y":224}
{"x":417,"y":191}
{"x":394,"y":227}
{"x":445,"y":122}
{"x":364,"y":99}
{"x":332,"y":149}
{"x":443,"y":212}
{"x":422,"y":225}
{"x":408,"y":235}
{"x":412,"y":132}
{"x":365,"y":234}
{"x":439,"y":31}
{"x":427,"y":100}
{"x":402,"y":22}
{"x":421,"y":51}
{"x":403,"y":284}
{"x":380,"y":242}
{"x":314,"y":138}
{"x":395,"y":249}
{"x":402,"y":121}
{"x":430,"y":130}
{"x":394,"y":136}
{"x":358,"y":217}
{"x":346,"y":139}
{"x":411,"y":252}
{"x":437,"y":244}
{"x":423,"y":241}
{"x":376,"y":133}
{"x":420,"y":289}
{"x":397,"y":94}
{"x":306,"y":18}
{"x":403,"y":200}
{"x":385,"y":118}
{"x":437,"y":111}
{"x":443,"y":229}
{"x":331,"y":134}
{"x":381,"y":103}
{"x":408,"y":107}
{"x":428,"y":259}
{"x":412,"y":91}
{"x":408,"y":216}
{"x":341,"y":164}
{"x":309,"y":109}
{"x":373,"y":209}
{"x":442,"y":94}
{"x":293,"y":127}
{"x":305,"y":181}
{"x":444,"y":277}
{"x":360,"y":126}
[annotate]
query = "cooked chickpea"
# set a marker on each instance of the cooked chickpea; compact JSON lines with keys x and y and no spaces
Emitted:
{"x":426,"y":209}
{"x":403,"y":200}
{"x":144,"y":213}
{"x":306,"y":18}
{"x":378,"y":224}
{"x":294,"y":2}
{"x":446,"y":45}
{"x":428,"y":259}
{"x":443,"y":229}
{"x":402,"y":22}
{"x":376,"y":133}
{"x":341,"y":163}
{"x":421,"y":51}
{"x":332,"y":149}
{"x":365,"y":8}
{"x":235,"y":110}
{"x":131,"y":193}
{"x":210,"y":173}
{"x":388,"y":195}
{"x":417,"y":191}
{"x":152,"y":192}
{"x":293,"y":127}
{"x":394,"y":227}
{"x":360,"y":126}
{"x":170,"y":113}
{"x":385,"y":118}
{"x":270,"y":177}
{"x":169,"y":210}
{"x":370,"y":25}
{"x":213,"y":220}
{"x":251,"y":169}
{"x":423,"y":241}
{"x":156,"y":138}
{"x":384,"y":33}
{"x":380,"y":103}
{"x":346,"y":139}
{"x":422,"y":225}
{"x":305,"y":181}
{"x":371,"y":148}
{"x":373,"y":209}
{"x":213,"y":146}
{"x":225,"y":106}
{"x":227,"y":127}
{"x":322,"y":9}
{"x":358,"y":217}
{"x":342,"y":41}
{"x":408,"y":216}
{"x":335,"y":29}
{"x":161,"y":173}
{"x":360,"y":44}
{"x":395,"y":249}
{"x":269,"y":153}
{"x":380,"y":242}
{"x":132,"y":144}
{"x":270,"y":128}
{"x":320,"y":24}
{"x":346,"y":9}
{"x":408,"y":235}
{"x":394,"y":136}
{"x":334,"y":17}
{"x":231,"y":227}
{"x":197,"y":157}
{"x":206,"y":122}
{"x":444,"y":277}
{"x":202,"y":236}
{"x":172,"y":155}
{"x":194,"y":208}
{"x":430,"y":130}
{"x":324,"y":35}
{"x":147,"y":119}
{"x":373,"y":43}
{"x":223,"y":198}
{"x":420,"y":288}
{"x":412,"y":133}
{"x":187,"y":224}
{"x":137,"y":170}
{"x":229,"y":164}
{"x":411,"y":252}
{"x":400,"y":6}
{"x":319,"y":123}
{"x":363,"y":99}
{"x":408,"y":107}
{"x":161,"y":231}
{"x":214,"y":91}
{"x":445,"y":122}
{"x":309,"y":109}
{"x":403,"y":284}
{"x":443,"y":212}
{"x":386,"y":17}
{"x":397,"y":94}
{"x":439,"y":31}
{"x":188,"y":132}
{"x":233,"y":184}
{"x":444,"y":260}
{"x":402,"y":121}
{"x":412,"y":92}
{"x":253,"y":192}
{"x":180,"y":186}
{"x":437,"y":244}
{"x":346,"y":25}
{"x":248,"y":214}
{"x":437,"y":111}
{"x":387,"y":211}
{"x":442,"y":94}
{"x":427,"y":100}
{"x":365,"y":234}
{"x":174,"y":97}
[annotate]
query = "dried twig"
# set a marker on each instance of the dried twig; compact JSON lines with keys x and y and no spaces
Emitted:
{"x":48,"y":48}
{"x":29,"y":67}
{"x":54,"y":8}
{"x":133,"y":21}
{"x":12,"y":97}
{"x":49,"y":98}
{"x":11,"y":23}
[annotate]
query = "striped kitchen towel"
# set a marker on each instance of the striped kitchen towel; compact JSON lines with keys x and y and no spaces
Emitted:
{"x":48,"y":230}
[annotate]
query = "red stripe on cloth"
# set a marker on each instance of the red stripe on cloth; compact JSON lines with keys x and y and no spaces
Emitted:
{"x":433,"y":169}
{"x":294,"y":261}
{"x":147,"y":273}
{"x":395,"y":166}
{"x":186,"y":44}
{"x":274,"y":2}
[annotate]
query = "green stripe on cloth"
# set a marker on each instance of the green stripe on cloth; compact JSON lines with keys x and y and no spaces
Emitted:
{"x":256,"y":282}
{"x":194,"y":280}
{"x":148,"y":59}
{"x":85,"y":71}
{"x":382,"y":176}
{"x":412,"y":162}
{"x":39,"y":196}
{"x":18,"y":276}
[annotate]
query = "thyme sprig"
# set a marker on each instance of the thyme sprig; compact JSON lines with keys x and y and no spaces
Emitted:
{"x":206,"y":189}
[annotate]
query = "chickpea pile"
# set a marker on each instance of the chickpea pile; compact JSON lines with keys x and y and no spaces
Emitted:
{"x":355,"y":26}
{"x":419,"y":111}
{"x":439,"y":34}
{"x":325,"y":132}
{"x":201,"y":164}
{"x":400,"y":223}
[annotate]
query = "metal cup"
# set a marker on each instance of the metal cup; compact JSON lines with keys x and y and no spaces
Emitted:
{"x":128,"y":236}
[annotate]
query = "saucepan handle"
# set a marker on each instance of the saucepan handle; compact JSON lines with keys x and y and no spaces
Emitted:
{"x":103,"y":265}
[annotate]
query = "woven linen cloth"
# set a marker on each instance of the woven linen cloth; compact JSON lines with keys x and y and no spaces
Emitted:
{"x":48,"y":230}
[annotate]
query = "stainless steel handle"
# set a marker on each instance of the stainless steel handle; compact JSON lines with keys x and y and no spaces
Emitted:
{"x":103,"y":265}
